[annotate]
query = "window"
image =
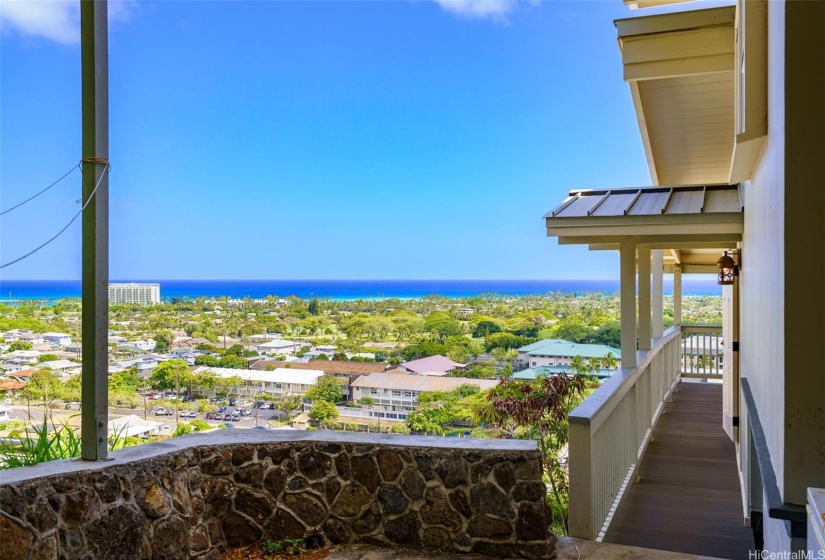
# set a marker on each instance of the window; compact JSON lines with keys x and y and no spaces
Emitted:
{"x":751,"y":60}
{"x":375,"y":391}
{"x":278,"y":386}
{"x":408,"y":394}
{"x":396,"y":393}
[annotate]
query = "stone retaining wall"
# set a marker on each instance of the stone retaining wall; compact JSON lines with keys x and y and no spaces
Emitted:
{"x":194,"y":496}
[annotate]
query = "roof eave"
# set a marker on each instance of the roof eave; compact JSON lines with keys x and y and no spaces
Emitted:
{"x":685,"y":44}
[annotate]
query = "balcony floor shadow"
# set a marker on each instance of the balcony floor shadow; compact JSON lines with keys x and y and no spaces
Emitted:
{"x":688,"y":498}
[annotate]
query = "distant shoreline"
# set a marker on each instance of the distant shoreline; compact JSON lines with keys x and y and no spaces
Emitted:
{"x":344,"y":290}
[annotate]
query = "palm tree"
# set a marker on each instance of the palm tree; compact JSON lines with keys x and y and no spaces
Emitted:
{"x":578,"y":366}
{"x":609,"y":361}
{"x":594,"y":366}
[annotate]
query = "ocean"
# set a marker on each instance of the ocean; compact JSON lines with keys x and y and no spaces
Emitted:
{"x":346,"y":289}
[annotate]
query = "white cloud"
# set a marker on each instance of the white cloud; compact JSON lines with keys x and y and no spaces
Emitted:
{"x":495,"y":10}
{"x":56,"y":20}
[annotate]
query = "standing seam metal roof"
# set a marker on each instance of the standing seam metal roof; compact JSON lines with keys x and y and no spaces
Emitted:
{"x":650,"y":201}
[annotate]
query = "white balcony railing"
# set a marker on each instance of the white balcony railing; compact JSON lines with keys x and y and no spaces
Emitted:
{"x":702,"y":352}
{"x":610,"y":430}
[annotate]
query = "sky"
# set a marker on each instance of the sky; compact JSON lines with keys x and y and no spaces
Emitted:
{"x":320,"y":140}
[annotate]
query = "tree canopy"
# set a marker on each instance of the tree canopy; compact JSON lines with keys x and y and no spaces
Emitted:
{"x":171,"y":374}
{"x":324,"y":412}
{"x":20,"y":345}
{"x":327,"y":388}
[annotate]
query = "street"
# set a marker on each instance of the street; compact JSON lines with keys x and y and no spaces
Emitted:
{"x":21,"y":412}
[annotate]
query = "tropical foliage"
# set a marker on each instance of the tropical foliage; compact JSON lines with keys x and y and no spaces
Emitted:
{"x":540,"y":409}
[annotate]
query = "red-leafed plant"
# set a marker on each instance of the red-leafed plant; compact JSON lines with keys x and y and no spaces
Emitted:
{"x":540,"y":408}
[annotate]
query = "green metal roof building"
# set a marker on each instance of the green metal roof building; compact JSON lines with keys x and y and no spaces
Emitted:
{"x":558,"y":352}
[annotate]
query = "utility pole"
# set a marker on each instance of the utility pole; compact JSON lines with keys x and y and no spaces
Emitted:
{"x":95,"y":255}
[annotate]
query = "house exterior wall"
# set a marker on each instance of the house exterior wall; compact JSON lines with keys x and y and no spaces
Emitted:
{"x":285,"y":350}
{"x":403,"y":399}
{"x":781,"y":280}
{"x":804,"y":456}
{"x":762,"y":276}
{"x":58,"y":338}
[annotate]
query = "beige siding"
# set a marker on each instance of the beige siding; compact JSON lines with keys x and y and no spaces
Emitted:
{"x":762,"y":277}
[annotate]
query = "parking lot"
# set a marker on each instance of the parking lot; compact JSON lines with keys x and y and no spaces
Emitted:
{"x":240,"y":415}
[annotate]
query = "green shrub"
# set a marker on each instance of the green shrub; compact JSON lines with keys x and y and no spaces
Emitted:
{"x":399,"y":429}
{"x":200,"y":425}
{"x":182,"y":429}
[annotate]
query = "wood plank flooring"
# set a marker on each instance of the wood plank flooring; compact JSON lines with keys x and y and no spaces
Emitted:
{"x":688,"y":498}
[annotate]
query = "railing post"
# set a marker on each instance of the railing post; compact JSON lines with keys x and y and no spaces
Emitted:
{"x":677,"y":295}
{"x":628,"y":303}
{"x":644,"y":297}
{"x":658,"y":303}
{"x":580,"y":467}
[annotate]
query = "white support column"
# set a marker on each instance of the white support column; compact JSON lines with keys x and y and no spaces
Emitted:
{"x":644,"y":296}
{"x":677,"y":294}
{"x":627,"y":264}
{"x":658,"y":304}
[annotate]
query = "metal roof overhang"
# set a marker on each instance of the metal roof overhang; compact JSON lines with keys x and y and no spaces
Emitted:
{"x":680,"y":69}
{"x":693,"y":223}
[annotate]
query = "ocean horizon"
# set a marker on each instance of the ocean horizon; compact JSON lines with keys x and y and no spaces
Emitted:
{"x":345,"y":289}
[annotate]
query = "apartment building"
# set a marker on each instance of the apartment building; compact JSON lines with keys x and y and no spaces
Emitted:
{"x":559,"y":352}
{"x":134,"y":293}
{"x":399,"y":391}
{"x":275,"y":383}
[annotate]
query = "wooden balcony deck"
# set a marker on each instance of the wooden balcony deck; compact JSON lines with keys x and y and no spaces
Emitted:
{"x":688,"y":498}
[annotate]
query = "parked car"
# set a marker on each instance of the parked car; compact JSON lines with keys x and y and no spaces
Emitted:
{"x":221,"y":408}
{"x":164,"y":411}
{"x":236,"y":416}
{"x":210,"y":415}
{"x":227,"y":417}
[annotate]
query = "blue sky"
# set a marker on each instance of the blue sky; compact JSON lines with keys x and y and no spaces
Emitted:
{"x":321,"y":139}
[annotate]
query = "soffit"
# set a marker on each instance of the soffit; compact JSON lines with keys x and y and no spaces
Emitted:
{"x":680,"y":68}
{"x":636,"y":4}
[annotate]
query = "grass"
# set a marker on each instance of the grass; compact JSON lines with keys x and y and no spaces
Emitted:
{"x":59,"y":442}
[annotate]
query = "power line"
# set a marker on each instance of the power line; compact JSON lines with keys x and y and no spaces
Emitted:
{"x":41,"y":192}
{"x":88,"y":200}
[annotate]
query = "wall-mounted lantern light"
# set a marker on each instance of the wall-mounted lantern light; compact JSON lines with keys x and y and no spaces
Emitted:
{"x":726,"y":269}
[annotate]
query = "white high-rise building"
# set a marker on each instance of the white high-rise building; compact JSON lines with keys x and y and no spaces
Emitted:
{"x":141,"y":294}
